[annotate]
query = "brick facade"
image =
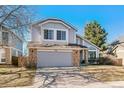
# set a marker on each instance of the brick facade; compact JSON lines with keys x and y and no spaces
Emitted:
{"x":32,"y":57}
{"x":76,"y":57}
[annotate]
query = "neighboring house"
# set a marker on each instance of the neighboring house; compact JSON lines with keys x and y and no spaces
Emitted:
{"x":118,"y":50}
{"x":93,"y":50}
{"x":53,"y":43}
{"x":10,"y":45}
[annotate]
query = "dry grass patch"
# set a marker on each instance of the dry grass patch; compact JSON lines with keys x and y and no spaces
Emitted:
{"x":18,"y":82}
{"x":15,"y":77}
{"x":105,"y":73}
{"x":11,"y":70}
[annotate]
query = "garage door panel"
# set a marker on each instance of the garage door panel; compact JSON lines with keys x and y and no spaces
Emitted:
{"x":50,"y":59}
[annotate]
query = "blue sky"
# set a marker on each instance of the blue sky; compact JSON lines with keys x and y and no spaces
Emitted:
{"x":110,"y":17}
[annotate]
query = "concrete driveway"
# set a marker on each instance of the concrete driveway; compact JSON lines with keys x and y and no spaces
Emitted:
{"x":70,"y":77}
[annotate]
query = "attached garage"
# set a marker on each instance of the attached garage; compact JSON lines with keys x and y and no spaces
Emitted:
{"x":54,"y":58}
{"x":57,"y":56}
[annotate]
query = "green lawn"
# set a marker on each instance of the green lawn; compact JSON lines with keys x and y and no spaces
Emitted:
{"x":15,"y":77}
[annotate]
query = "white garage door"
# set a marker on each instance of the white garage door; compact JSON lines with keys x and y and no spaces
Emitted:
{"x":53,"y":59}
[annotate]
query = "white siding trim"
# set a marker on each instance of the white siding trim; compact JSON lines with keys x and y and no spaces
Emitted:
{"x":56,"y":50}
{"x":49,"y":21}
{"x":41,"y":34}
{"x":67,"y":36}
{"x":91,"y":50}
{"x":75,"y":37}
{"x":55,"y":36}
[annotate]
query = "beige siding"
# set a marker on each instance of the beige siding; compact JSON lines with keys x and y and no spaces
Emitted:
{"x":72,"y":35}
{"x":79,"y":41}
{"x":15,"y":42}
{"x":35,"y":34}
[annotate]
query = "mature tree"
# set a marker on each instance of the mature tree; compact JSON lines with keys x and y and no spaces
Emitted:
{"x":15,"y":17}
{"x":96,"y":34}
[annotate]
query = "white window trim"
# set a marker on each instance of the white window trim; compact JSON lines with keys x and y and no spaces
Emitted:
{"x":48,"y":39}
{"x":55,"y":35}
{"x":61,"y":31}
{"x":94,"y":51}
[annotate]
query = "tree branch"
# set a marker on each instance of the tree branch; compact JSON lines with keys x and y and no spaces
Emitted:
{"x":9,"y":15}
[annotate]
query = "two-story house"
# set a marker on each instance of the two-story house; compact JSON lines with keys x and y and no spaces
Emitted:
{"x":10,"y":45}
{"x":53,"y":43}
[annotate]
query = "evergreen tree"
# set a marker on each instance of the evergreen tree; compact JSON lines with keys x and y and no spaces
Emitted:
{"x":96,"y":34}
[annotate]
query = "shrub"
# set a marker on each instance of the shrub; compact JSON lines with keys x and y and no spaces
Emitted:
{"x":105,"y":61}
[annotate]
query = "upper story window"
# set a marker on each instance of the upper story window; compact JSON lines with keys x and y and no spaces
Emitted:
{"x":5,"y":38}
{"x":48,"y":34}
{"x":61,"y":35}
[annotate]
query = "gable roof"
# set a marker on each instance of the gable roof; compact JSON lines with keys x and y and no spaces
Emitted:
{"x":116,"y":46}
{"x":87,"y":41}
{"x":55,"y":19}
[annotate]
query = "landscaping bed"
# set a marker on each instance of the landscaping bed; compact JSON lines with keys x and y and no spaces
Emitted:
{"x":15,"y":77}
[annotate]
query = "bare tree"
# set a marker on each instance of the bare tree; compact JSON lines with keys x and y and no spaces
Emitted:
{"x":16,"y":18}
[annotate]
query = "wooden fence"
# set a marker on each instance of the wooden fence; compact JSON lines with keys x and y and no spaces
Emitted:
{"x":118,"y":62}
{"x":22,"y":61}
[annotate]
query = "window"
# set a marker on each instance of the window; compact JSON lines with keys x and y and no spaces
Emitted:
{"x":5,"y":38}
{"x":92,"y":54}
{"x":61,"y":35}
{"x":48,"y":34}
{"x":3,"y":57}
{"x":3,"y":60}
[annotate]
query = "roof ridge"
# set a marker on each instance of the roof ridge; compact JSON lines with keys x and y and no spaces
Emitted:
{"x":87,"y":40}
{"x":56,"y":19}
